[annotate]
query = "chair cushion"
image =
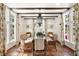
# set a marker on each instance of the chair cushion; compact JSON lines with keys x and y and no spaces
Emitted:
{"x":29,"y":40}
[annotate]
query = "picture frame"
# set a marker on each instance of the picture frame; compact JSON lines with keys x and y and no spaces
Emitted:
{"x":27,"y":26}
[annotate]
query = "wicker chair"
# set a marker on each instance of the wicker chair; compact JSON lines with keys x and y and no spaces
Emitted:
{"x":27,"y":47}
{"x":51,"y":44}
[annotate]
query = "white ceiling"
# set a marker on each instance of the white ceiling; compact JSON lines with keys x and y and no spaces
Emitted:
{"x":37,"y":15}
{"x":39,"y":11}
{"x":39,"y":5}
{"x":62,"y":7}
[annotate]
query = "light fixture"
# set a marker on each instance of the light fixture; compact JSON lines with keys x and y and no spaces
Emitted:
{"x":39,"y":19}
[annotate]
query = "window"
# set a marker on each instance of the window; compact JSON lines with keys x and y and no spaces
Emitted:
{"x":67,"y":28}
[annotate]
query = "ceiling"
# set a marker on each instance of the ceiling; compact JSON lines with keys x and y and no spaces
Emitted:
{"x":39,"y":5}
{"x":36,"y":8}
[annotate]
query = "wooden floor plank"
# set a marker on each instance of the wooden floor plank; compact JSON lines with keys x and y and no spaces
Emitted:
{"x":61,"y":51}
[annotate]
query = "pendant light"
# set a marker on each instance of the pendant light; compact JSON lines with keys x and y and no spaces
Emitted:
{"x":39,"y":19}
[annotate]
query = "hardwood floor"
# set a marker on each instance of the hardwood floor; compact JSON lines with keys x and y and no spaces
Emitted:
{"x":51,"y":51}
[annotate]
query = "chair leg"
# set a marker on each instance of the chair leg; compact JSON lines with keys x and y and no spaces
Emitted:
{"x":55,"y":47}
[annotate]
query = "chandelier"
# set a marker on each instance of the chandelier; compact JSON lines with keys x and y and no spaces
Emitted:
{"x":39,"y":19}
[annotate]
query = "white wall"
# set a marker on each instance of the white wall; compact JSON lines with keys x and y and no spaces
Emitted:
{"x":28,"y":22}
{"x":22,"y":26}
{"x":8,"y":43}
{"x":56,"y":26}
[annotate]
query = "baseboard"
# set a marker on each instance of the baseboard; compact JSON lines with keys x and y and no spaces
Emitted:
{"x":69,"y":48}
{"x":6,"y":51}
